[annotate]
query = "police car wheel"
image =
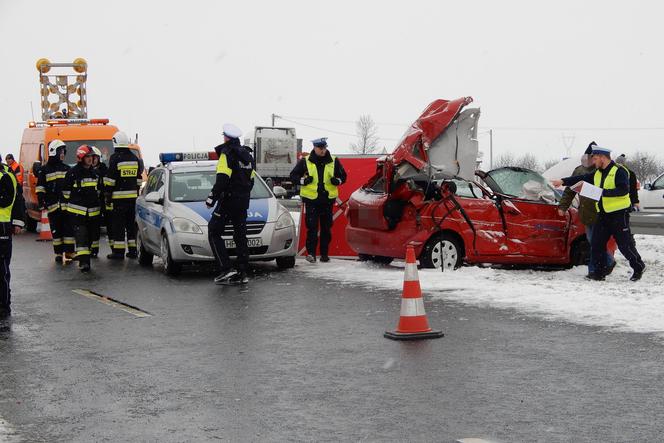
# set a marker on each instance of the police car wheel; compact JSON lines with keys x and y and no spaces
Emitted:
{"x":441,"y":250}
{"x":170,"y":267}
{"x":286,"y":262}
{"x":144,"y":257}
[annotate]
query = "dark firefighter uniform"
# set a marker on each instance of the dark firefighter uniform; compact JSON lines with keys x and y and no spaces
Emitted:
{"x":231,"y":193}
{"x":11,"y":215}
{"x":81,"y":188}
{"x":50,"y":184}
{"x":121,"y":184}
{"x":613,"y":216}
{"x":319,"y":175}
{"x":101,"y":169}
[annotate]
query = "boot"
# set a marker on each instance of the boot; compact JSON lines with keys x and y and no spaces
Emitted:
{"x":132,"y":254}
{"x":637,"y":274}
{"x":84,"y":266}
{"x":310,"y":258}
{"x":116,"y":256}
{"x":239,"y":279}
{"x":58,"y":258}
{"x":324,"y":258}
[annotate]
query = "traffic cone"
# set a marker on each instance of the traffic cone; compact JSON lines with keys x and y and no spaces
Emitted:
{"x":45,"y":228}
{"x":413,"y":323}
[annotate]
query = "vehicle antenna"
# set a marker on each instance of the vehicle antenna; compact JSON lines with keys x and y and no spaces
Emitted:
{"x":32,"y":111}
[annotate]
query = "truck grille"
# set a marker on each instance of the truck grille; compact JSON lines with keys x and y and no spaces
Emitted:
{"x":253,"y":228}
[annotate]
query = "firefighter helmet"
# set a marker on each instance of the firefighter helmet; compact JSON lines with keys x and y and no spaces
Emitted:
{"x":120,"y":140}
{"x":54,"y":146}
{"x":82,"y":151}
{"x":96,"y":151}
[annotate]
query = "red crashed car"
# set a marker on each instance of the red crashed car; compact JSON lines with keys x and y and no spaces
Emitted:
{"x":429,"y":194}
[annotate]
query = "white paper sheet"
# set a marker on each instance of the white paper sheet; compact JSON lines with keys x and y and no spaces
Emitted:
{"x":585,"y":189}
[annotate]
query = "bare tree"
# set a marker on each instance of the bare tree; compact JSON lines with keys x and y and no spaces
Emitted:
{"x":550,"y":162}
{"x":367,"y":135}
{"x":528,"y":161}
{"x":645,"y":165}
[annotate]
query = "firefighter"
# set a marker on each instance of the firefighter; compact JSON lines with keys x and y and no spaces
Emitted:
{"x":612,"y":213}
{"x":49,"y":189}
{"x":84,"y":207}
{"x":319,"y":175}
{"x":121,"y":186}
{"x":101,"y":169}
{"x":17,"y":169}
{"x":231,"y":193}
{"x":11,"y":222}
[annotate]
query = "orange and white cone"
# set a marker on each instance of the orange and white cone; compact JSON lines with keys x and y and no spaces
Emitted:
{"x":413,"y":323}
{"x":45,"y":230}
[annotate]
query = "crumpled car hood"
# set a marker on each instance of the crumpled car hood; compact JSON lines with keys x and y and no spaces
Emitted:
{"x":441,"y":143}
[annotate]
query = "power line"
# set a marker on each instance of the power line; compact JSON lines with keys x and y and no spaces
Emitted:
{"x":328,"y":130}
{"x":328,"y":120}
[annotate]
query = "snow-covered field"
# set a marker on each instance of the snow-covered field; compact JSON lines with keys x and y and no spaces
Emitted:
{"x":616,"y":303}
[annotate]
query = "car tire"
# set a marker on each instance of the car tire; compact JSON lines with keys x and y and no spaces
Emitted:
{"x":144,"y":257}
{"x":286,"y":262}
{"x":580,"y":253}
{"x":363,"y":257}
{"x":453,"y":252}
{"x":30,"y":223}
{"x":380,"y":259}
{"x":170,"y":267}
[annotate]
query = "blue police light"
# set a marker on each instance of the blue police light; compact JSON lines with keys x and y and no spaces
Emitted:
{"x":169,"y":157}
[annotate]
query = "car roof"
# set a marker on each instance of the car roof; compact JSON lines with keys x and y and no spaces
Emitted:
{"x":191,"y":166}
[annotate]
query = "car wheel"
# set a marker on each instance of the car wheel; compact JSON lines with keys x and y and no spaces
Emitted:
{"x":441,"y":250}
{"x":170,"y":267}
{"x":382,"y":260}
{"x":286,"y":262}
{"x":363,"y":257}
{"x":144,"y":257}
{"x":580,"y":253}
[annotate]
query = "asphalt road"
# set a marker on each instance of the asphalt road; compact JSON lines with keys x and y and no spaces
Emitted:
{"x":288,"y":358}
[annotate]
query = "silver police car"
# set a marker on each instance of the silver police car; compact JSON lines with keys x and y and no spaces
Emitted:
{"x":172,"y":218}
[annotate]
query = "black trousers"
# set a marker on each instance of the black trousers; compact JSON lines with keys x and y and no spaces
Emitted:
{"x":614,"y":224}
{"x":86,"y":229}
{"x":236,"y":213}
{"x":318,"y":214}
{"x":5,"y":260}
{"x":123,"y":222}
{"x":61,"y":230}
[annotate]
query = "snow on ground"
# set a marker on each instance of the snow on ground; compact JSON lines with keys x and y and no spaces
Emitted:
{"x":566,"y":295}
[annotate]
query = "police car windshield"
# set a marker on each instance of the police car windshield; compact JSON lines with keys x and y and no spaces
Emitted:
{"x":105,"y":146}
{"x":195,"y":186}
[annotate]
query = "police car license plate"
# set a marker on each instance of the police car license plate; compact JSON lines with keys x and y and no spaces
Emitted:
{"x":251,"y":242}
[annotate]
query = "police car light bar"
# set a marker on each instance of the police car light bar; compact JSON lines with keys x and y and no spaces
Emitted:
{"x":74,"y":121}
{"x":169,"y":157}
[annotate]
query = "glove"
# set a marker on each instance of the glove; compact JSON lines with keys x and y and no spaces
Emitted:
{"x":335,"y":181}
{"x":209,"y":202}
{"x":306,"y":180}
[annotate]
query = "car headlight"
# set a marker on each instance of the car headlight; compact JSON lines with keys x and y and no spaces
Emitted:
{"x":186,"y":225}
{"x":284,"y":221}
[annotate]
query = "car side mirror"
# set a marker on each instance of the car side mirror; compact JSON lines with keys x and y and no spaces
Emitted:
{"x":647,"y":187}
{"x":36,"y":166}
{"x":154,"y":197}
{"x":279,"y":192}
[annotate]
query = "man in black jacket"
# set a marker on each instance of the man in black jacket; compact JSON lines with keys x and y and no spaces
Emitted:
{"x":11,"y":222}
{"x":633,"y":191}
{"x":231,"y":193}
{"x":319,"y":175}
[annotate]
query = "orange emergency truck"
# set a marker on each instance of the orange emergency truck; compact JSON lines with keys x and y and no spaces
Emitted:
{"x":64,"y":111}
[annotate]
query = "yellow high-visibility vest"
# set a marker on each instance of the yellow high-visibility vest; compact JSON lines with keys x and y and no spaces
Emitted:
{"x":611,"y":204}
{"x":310,"y":191}
{"x":6,"y":213}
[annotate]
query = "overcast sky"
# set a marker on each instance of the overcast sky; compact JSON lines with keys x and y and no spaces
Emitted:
{"x":174,"y":72}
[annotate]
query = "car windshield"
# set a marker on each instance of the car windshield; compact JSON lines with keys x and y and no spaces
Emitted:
{"x":105,"y":146}
{"x":521,"y":183}
{"x":195,"y":186}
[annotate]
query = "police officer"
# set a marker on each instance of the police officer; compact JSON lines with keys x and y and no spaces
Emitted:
{"x":11,"y":222}
{"x":613,"y":213}
{"x":319,"y":175}
{"x":50,"y":183}
{"x":122,"y":182}
{"x":231,"y":193}
{"x":82,"y":189}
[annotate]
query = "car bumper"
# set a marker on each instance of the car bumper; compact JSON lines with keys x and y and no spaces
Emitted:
{"x":186,"y":247}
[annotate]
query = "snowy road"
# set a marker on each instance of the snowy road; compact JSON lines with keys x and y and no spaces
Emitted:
{"x":566,"y":295}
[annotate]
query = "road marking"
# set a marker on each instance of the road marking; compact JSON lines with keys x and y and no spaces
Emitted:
{"x":7,"y":432}
{"x":112,"y":302}
{"x":471,"y":440}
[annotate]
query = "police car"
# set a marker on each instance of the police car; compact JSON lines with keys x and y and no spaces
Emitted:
{"x":172,"y":217}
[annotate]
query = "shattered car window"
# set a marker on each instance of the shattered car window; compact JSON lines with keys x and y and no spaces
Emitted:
{"x":467,"y":189}
{"x":523,"y":183}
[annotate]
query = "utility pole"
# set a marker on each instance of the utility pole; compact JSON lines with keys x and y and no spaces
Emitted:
{"x":490,"y":149}
{"x":274,"y":116}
